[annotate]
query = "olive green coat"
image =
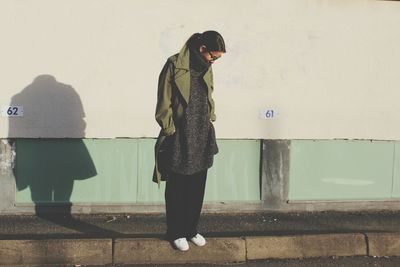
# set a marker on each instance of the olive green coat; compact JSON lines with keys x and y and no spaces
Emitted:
{"x":173,"y":97}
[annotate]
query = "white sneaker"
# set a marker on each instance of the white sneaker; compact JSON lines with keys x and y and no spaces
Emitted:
{"x":181,"y":244}
{"x":198,"y":240}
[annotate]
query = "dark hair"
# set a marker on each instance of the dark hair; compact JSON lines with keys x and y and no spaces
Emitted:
{"x":212,"y":40}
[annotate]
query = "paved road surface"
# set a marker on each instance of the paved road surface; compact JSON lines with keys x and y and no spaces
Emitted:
{"x":312,"y":262}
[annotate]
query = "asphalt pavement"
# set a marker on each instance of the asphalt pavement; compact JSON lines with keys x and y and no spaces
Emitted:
{"x":309,"y":262}
{"x":257,"y":239}
{"x":211,"y":225}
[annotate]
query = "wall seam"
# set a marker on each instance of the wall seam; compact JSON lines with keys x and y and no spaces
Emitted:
{"x":113,"y":241}
{"x":246,"y":249}
{"x":393,"y":168}
{"x":260,"y":175}
{"x":14,"y":171}
{"x":137,"y":169}
{"x":367,"y":244}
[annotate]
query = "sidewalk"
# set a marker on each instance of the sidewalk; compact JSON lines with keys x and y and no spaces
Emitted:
{"x":138,"y":238}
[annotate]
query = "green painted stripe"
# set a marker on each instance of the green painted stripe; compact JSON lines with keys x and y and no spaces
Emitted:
{"x":72,"y":170}
{"x":341,"y":170}
{"x":120,"y":171}
{"x":396,"y":171}
{"x":235,"y":175}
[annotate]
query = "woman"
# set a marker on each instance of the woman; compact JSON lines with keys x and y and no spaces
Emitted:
{"x":186,"y":145}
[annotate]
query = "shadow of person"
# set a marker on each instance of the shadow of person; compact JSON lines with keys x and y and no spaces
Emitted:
{"x":45,"y":163}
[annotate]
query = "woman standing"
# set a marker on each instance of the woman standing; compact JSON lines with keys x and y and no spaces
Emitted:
{"x":186,"y":145}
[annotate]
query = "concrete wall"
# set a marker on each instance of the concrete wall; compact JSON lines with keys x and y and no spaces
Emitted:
{"x":328,"y":69}
{"x":114,"y":176}
{"x":119,"y":171}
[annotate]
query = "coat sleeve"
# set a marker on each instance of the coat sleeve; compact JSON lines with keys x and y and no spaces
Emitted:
{"x":164,"y":103}
{"x":213,"y":117}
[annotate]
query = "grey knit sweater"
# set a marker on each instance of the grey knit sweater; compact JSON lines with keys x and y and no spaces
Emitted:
{"x":192,"y":147}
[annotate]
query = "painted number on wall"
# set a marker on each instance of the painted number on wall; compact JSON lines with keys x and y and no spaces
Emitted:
{"x":12,"y":111}
{"x":268,"y":113}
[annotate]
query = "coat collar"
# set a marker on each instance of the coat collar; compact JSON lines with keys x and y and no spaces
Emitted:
{"x":182,"y":74}
{"x":183,"y":58}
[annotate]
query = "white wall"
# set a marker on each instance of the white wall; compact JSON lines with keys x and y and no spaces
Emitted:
{"x":331,"y":69}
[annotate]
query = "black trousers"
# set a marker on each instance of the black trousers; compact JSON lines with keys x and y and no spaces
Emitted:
{"x":184,"y":196}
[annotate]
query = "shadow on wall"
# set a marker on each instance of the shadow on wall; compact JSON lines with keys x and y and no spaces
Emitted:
{"x":49,"y":166}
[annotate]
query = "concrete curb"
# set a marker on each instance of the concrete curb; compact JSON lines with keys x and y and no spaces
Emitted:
{"x":160,"y":251}
{"x":384,"y":244}
{"x":59,"y":251}
{"x":235,"y":249}
{"x":305,"y":246}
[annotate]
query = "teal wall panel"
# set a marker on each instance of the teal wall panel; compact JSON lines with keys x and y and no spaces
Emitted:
{"x":396,"y":172}
{"x":340,"y":170}
{"x":148,"y":191}
{"x":72,"y":170}
{"x":236,"y":172}
{"x":233,"y":177}
{"x":120,"y":171}
{"x":116,"y":179}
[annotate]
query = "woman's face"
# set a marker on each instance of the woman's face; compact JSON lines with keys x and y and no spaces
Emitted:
{"x":210,"y":56}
